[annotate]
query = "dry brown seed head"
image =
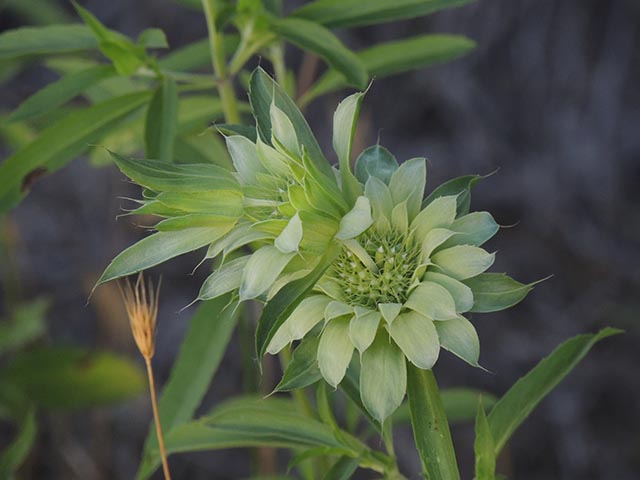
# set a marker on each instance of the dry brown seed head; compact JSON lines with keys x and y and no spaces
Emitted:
{"x":141,"y":303}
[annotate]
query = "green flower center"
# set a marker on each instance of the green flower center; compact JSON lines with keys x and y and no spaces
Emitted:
{"x":396,"y":259}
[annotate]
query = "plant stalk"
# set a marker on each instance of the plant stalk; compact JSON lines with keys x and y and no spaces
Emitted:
{"x":156,"y":417}
{"x":224,"y":83}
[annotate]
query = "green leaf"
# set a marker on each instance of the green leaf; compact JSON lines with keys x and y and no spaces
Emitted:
{"x":416,"y":336}
{"x":262,"y":270}
{"x":200,"y":355}
{"x":195,"y":55}
{"x":224,"y":280}
{"x":460,"y":405}
{"x":248,"y":422}
{"x":45,"y":41}
{"x":463,"y":261}
{"x":303,"y":369}
{"x":430,"y":426}
{"x":375,"y":161}
{"x":58,"y":93}
{"x":247,"y":131}
{"x":158,"y":248}
{"x":516,"y":405}
{"x":153,"y":38}
{"x":278,"y":309}
{"x":342,"y":469}
{"x":167,"y":177}
{"x":386,"y":59}
{"x":60,"y":143}
{"x":27,"y":323}
{"x":162,"y":121}
{"x":16,"y":453}
{"x":315,"y":38}
{"x":472,"y":229}
{"x":493,"y":292}
{"x":335,"y":350}
{"x":125,"y":55}
{"x":407,"y":183}
{"x":356,"y":221}
{"x":459,"y":336}
{"x":351,"y":13}
{"x":345,"y":120}
{"x":65,"y":377}
{"x":383,"y":377}
{"x":484,"y":448}
{"x":263,"y":91}
{"x":460,"y":186}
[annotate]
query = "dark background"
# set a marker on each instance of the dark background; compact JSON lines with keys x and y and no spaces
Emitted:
{"x":551,"y":97}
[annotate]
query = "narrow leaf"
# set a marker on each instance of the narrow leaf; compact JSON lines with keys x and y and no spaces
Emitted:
{"x":496,"y":291}
{"x":162,"y":121}
{"x":303,"y":369}
{"x":484,"y":448}
{"x":47,"y":40}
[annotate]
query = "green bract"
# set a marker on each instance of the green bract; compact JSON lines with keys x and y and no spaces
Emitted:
{"x":406,"y":269}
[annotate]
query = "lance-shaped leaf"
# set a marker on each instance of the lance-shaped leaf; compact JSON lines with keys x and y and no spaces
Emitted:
{"x":263,"y":91}
{"x":262,"y":270}
{"x":430,"y":426}
{"x":375,"y":161}
{"x":162,"y":121}
{"x":335,"y":351}
{"x":472,"y":229}
{"x":47,"y":40}
{"x":158,"y":248}
{"x":356,"y":221}
{"x":496,"y":291}
{"x":461,"y":187}
{"x":432,"y":300}
{"x":407,"y":184}
{"x":463,"y":261}
{"x":351,"y":13}
{"x":516,"y":405}
{"x":225,"y":279}
{"x":462,"y":294}
{"x":60,"y":143}
{"x":458,"y":336}
{"x":315,"y":38}
{"x":416,"y":336}
{"x":390,"y":58}
{"x":303,"y":369}
{"x":484,"y":447}
{"x":61,"y":91}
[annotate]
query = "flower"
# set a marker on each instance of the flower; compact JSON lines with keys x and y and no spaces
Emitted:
{"x":399,"y":290}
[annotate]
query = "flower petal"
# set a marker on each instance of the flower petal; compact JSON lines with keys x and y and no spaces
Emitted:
{"x":461,"y":293}
{"x":416,"y":335}
{"x":363,"y":328}
{"x":389,"y":311}
{"x":262,"y":269}
{"x":407,"y":183}
{"x":438,"y":214}
{"x":463,"y":261}
{"x":383,"y":377}
{"x":300,"y":322}
{"x":459,"y":337}
{"x":433,"y":301}
{"x":289,"y":239}
{"x":335,"y":351}
{"x":355,"y":221}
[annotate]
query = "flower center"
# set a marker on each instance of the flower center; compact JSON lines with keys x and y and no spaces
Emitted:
{"x":396,"y":259}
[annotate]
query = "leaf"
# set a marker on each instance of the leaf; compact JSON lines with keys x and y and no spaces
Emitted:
{"x":516,"y":405}
{"x":460,"y":405}
{"x":463,"y":261}
{"x":342,"y":469}
{"x":224,"y":280}
{"x":484,"y":448}
{"x":407,"y":184}
{"x":472,"y":229}
{"x":493,"y":292}
{"x":61,"y":142}
{"x":153,"y":38}
{"x":45,"y":41}
{"x":356,"y":221}
{"x":303,"y":369}
{"x":162,"y":121}
{"x":390,"y":58}
{"x":248,"y":422}
{"x":125,"y":55}
{"x":460,"y":186}
{"x":58,"y":93}
{"x":278,"y":309}
{"x":345,"y":120}
{"x":201,"y":352}
{"x":416,"y":336}
{"x":247,"y":131}
{"x":27,"y":323}
{"x":383,"y":378}
{"x":351,"y":13}
{"x":430,"y":426}
{"x":158,"y":248}
{"x":375,"y":161}
{"x":263,"y":91}
{"x":16,"y":453}
{"x":66,"y":377}
{"x":335,"y":350}
{"x":262,"y":270}
{"x":459,"y":336}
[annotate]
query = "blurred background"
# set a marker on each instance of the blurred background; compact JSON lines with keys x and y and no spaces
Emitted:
{"x":550,"y":97}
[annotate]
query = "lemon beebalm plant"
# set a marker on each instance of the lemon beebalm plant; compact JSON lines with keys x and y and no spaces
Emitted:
{"x":364,"y":275}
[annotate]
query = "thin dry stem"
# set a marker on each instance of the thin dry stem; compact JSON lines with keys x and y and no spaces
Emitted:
{"x":156,"y":417}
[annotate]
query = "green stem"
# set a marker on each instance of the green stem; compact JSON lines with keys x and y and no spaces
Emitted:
{"x":224,"y":83}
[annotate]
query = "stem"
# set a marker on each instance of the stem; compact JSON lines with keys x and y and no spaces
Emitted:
{"x":224,"y":84}
{"x":156,"y":417}
{"x":277,"y":59}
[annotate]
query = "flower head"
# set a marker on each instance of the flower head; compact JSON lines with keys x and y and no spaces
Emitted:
{"x":141,"y":303}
